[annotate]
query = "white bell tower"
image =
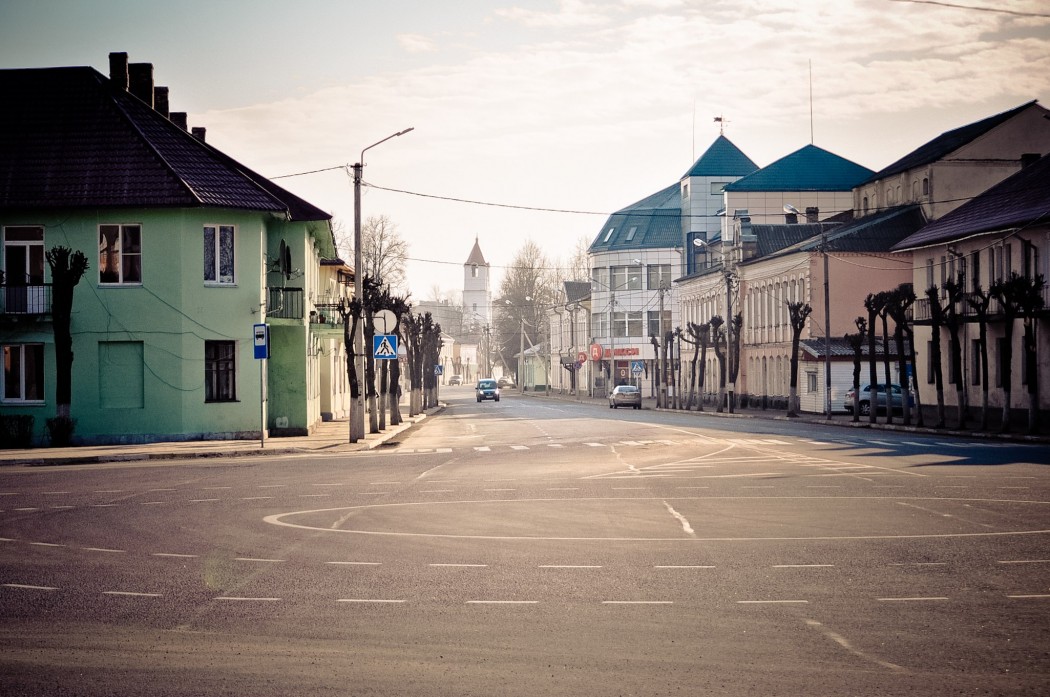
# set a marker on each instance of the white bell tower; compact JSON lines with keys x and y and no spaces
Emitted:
{"x":477,"y":295}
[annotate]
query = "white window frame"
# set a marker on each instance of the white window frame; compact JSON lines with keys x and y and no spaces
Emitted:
{"x":120,"y":254}
{"x":217,"y":277}
{"x":21,"y":398}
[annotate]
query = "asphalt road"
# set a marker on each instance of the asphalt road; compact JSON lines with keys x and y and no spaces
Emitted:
{"x":538,"y":547}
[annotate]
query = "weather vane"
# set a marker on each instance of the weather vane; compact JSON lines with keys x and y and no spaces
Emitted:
{"x":721,"y":121}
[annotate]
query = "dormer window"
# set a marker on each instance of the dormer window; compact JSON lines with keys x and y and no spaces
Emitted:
{"x":630,"y":233}
{"x":608,"y":234}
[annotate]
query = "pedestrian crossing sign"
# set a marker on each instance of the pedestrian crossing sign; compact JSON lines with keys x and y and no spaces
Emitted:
{"x":384,"y":347}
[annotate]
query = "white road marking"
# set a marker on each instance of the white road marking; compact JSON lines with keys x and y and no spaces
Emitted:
{"x":686,"y":527}
{"x":154,"y":503}
{"x":502,"y":602}
{"x":214,"y":488}
{"x":684,"y":567}
{"x":568,"y":566}
{"x":272,"y":486}
{"x":772,"y":602}
{"x":482,"y":448}
{"x":270,"y":561}
{"x":637,"y":602}
{"x":203,"y":500}
{"x":368,"y":600}
{"x":46,"y":544}
{"x":909,"y":600}
{"x":595,"y":445}
{"x":354,"y":563}
{"x":132,"y":594}
{"x":519,"y":447}
{"x":436,"y":491}
{"x":175,"y":556}
{"x":55,"y":493}
{"x":26,"y":510}
{"x":555,"y":445}
{"x":255,"y":498}
{"x":460,"y":566}
{"x":803,"y":566}
{"x":108,"y":505}
{"x":313,"y":496}
{"x":1025,"y":561}
{"x":383,"y":483}
{"x":24,"y":586}
{"x":1031,"y":596}
{"x":103,"y":549}
{"x":841,"y":641}
{"x":265,"y":600}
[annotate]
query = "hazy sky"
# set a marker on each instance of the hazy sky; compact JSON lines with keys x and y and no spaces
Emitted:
{"x":548,"y":104}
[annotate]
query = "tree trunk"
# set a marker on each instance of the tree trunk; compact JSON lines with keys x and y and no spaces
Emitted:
{"x":873,"y":371}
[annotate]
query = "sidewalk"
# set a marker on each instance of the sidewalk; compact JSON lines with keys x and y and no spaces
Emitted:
{"x":329,"y":437}
{"x":843,"y":420}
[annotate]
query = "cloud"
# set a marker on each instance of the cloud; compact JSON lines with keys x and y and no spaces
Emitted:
{"x":416,"y":43}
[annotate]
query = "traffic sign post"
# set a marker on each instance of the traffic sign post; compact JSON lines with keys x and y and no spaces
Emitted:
{"x":384,"y":347}
{"x":261,"y":346}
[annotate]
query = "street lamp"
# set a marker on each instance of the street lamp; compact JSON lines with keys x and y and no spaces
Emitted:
{"x":728,"y":274}
{"x":357,"y":414}
{"x":791,"y":210}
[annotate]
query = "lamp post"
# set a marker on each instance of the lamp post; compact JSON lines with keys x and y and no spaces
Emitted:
{"x":729,"y":276}
{"x":791,"y":210}
{"x":357,"y":413}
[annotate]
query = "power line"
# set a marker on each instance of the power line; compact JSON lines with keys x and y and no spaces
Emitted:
{"x":975,"y":8}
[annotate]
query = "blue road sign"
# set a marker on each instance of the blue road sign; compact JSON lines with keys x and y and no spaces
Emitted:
{"x":637,"y":368}
{"x":261,"y":341}
{"x":384,"y":347}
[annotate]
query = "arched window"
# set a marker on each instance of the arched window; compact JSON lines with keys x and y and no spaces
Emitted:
{"x":865,"y":207}
{"x":925,"y":186}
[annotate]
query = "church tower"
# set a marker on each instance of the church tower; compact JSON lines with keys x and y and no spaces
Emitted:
{"x":477,"y":295}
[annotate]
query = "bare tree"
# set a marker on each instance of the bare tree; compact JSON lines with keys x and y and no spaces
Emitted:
{"x":67,"y":268}
{"x":529,"y":288}
{"x":798,"y":314}
{"x":384,"y":252}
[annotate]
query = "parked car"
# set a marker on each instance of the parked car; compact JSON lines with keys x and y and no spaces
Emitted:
{"x":487,"y":389}
{"x":505,"y":381}
{"x":455,"y":380}
{"x":625,"y":396}
{"x":896,"y":397}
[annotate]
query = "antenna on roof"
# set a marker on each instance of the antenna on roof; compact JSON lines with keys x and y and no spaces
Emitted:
{"x":721,"y":121}
{"x":811,"y":101}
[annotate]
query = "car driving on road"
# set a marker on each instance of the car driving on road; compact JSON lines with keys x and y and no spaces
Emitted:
{"x":487,"y":389}
{"x":896,"y":399}
{"x":625,"y":396}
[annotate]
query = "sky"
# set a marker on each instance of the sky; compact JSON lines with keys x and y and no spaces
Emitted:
{"x":536,"y":119}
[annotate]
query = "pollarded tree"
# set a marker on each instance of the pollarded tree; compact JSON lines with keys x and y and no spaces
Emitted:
{"x":856,"y":342}
{"x":67,"y":268}
{"x":933,"y":294}
{"x":899,"y":301}
{"x":1020,"y":296}
{"x":798,"y":313}
{"x":979,"y":301}
{"x":873,"y":304}
{"x":718,"y":342}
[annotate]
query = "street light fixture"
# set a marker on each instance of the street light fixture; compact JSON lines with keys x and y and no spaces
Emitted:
{"x":791,"y":210}
{"x":357,"y":413}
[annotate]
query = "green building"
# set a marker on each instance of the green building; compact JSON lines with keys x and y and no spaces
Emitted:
{"x":187,"y":251}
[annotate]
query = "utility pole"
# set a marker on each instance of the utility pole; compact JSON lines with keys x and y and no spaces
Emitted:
{"x":662,"y":394}
{"x":827,"y":328}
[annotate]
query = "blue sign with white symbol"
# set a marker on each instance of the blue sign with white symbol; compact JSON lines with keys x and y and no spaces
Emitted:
{"x":261,"y":341}
{"x":384,"y":347}
{"x":637,"y":368}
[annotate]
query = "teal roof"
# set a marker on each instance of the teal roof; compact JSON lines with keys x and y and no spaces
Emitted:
{"x":722,"y":159}
{"x":807,"y":169}
{"x":655,"y":222}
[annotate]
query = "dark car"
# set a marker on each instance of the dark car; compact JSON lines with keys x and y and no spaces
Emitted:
{"x":487,"y":389}
{"x":896,"y":399}
{"x":625,"y":396}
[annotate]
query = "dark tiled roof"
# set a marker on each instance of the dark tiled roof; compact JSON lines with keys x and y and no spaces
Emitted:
{"x":69,"y":138}
{"x":814,"y":348}
{"x":1019,"y":200}
{"x":656,"y":222}
{"x":577,"y":291}
{"x":807,"y":169}
{"x":947,"y":143}
{"x":772,"y":238}
{"x":722,"y":159}
{"x":476,"y":257}
{"x":872,"y":233}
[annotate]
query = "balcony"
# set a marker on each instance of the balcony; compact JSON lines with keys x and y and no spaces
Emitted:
{"x":18,"y":301}
{"x":284,"y":303}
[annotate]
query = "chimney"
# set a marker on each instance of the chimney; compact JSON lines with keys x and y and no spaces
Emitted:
{"x":118,"y":70}
{"x":179,"y":119}
{"x":160,"y":100}
{"x":140,"y":79}
{"x":812,"y":214}
{"x":199,"y":132}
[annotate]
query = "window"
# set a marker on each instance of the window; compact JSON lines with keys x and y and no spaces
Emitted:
{"x":119,"y":254}
{"x":658,"y":276}
{"x":685,"y":190}
{"x":626,"y":324}
{"x":717,"y":187}
{"x":600,"y":278}
{"x":24,"y":270}
{"x":929,"y":274}
{"x":608,"y":234}
{"x":631,"y":231}
{"x":811,"y":381}
{"x":654,"y":326}
{"x":925,"y":186}
{"x":599,"y":324}
{"x":625,"y":278}
{"x":218,"y":254}
{"x":220,"y":371}
{"x":865,"y":205}
{"x":23,"y":372}
{"x":975,"y":271}
{"x":473,"y":270}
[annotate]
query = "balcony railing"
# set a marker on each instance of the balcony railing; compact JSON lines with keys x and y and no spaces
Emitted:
{"x":284,"y":303}
{"x":25,"y":300}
